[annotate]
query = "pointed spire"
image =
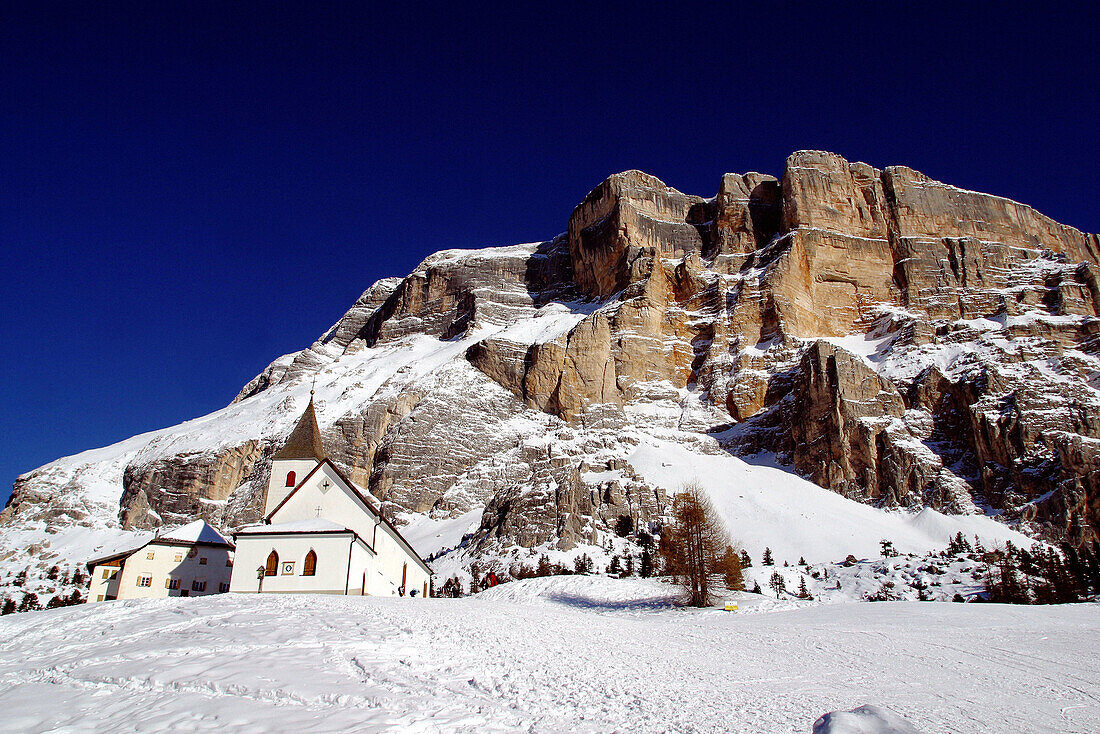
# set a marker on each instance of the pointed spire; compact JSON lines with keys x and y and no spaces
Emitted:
{"x":304,"y":441}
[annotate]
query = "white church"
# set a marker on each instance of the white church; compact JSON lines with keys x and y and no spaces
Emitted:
{"x":321,"y":534}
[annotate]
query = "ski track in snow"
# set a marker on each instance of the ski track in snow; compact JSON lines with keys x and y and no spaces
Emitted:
{"x":565,"y":654}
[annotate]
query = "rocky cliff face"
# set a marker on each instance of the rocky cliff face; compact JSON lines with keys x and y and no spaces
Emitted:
{"x":892,"y":338}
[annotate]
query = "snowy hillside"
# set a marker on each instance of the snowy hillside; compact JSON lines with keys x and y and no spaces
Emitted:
{"x":565,"y":654}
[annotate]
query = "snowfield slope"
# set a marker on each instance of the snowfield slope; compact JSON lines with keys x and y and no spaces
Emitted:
{"x":567,"y":654}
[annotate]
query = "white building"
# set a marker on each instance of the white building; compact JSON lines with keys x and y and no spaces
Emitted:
{"x":321,"y":534}
{"x":194,"y":560}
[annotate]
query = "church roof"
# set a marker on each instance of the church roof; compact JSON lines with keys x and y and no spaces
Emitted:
{"x":304,"y":441}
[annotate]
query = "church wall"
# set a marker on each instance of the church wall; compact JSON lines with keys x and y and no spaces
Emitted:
{"x":337,"y":505}
{"x":390,"y":559}
{"x":332,"y":563}
{"x":378,"y":572}
{"x":276,"y":489}
{"x":363,"y":568}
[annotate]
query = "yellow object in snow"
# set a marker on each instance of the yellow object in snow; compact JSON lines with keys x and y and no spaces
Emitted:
{"x":731,"y":606}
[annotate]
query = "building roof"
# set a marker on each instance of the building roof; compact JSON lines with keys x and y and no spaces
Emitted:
{"x":304,"y":441}
{"x":193,"y":533}
{"x":196,"y":532}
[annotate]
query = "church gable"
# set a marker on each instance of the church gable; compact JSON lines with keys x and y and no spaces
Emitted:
{"x":324,"y":493}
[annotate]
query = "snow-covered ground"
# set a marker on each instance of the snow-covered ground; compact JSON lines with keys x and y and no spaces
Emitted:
{"x":564,"y":654}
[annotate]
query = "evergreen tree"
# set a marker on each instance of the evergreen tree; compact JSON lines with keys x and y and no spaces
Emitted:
{"x":1077,"y":569}
{"x":628,"y":568}
{"x":887,"y":549}
{"x":756,"y":587}
{"x":777,"y":584}
{"x":543,"y":568}
{"x":1005,"y":586}
{"x":959,"y":545}
{"x":801,"y":561}
{"x":614,"y":568}
{"x":29,"y":603}
{"x":803,"y":592}
{"x":53,"y":572}
{"x":746,"y":562}
{"x":9,"y":606}
{"x":645,"y":566}
{"x":768,"y":561}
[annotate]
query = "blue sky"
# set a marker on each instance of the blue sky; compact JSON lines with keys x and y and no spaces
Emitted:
{"x":188,"y":191}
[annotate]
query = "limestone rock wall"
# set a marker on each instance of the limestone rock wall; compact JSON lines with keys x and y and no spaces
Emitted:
{"x":893,"y":338}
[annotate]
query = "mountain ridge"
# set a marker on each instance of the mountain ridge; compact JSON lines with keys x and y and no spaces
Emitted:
{"x":896,"y":340}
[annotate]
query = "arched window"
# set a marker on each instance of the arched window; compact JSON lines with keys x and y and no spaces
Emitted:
{"x":290,"y":479}
{"x":309,"y":568}
{"x":272,"y":564}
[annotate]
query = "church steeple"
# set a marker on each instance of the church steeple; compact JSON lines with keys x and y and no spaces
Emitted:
{"x":304,"y":441}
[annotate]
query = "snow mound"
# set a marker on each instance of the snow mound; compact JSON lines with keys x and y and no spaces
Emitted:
{"x":866,"y":719}
{"x":586,"y":592}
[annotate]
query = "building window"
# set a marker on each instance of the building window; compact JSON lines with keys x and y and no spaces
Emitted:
{"x":288,"y":568}
{"x":178,"y":558}
{"x":150,"y":555}
{"x":223,"y":588}
{"x":309,"y":568}
{"x":144,"y":580}
{"x":198,"y":585}
{"x":172,"y":583}
{"x":202,"y":561}
{"x":99,"y":598}
{"x":290,"y":479}
{"x":272,"y":567}
{"x":109,"y":573}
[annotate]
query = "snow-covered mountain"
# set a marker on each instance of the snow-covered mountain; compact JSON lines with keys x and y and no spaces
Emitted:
{"x":839,"y":356}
